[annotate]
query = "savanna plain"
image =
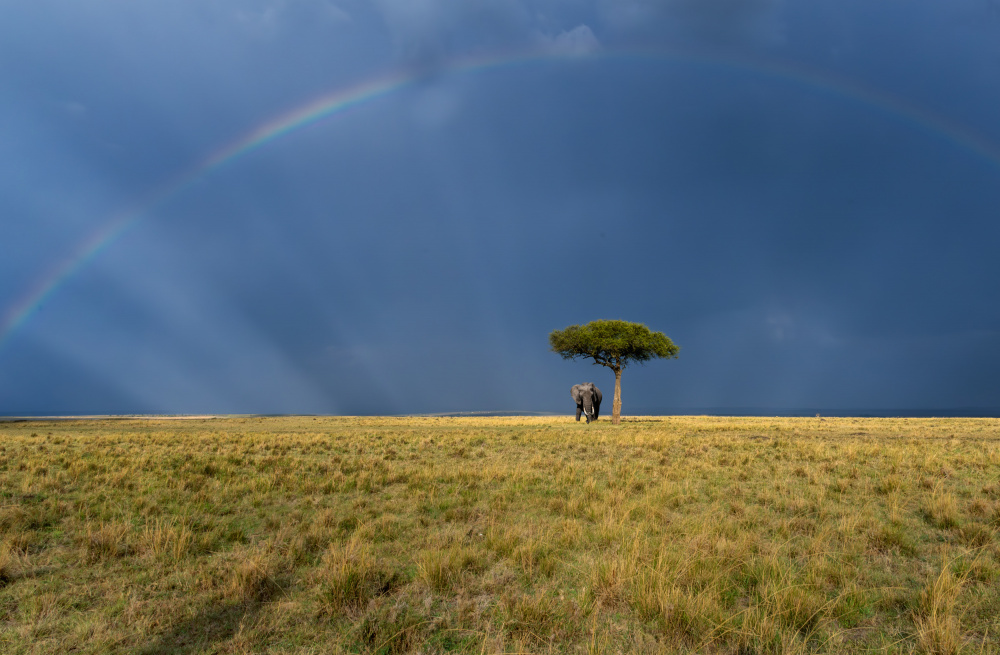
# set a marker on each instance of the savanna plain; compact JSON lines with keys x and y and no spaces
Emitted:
{"x":500,"y":535}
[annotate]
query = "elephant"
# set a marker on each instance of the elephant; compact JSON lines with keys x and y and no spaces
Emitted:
{"x":588,"y":400}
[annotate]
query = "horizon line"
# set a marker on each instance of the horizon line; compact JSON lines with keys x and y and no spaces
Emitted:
{"x":756,"y":412}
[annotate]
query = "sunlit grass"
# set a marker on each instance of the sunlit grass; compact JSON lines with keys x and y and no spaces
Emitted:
{"x":393,"y":535}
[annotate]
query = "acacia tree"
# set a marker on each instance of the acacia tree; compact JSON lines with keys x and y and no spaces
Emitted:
{"x":614,"y":344}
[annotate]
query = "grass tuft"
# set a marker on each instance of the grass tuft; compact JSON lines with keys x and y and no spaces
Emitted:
{"x":9,"y":565}
{"x":252,"y":576}
{"x":391,"y":629}
{"x":105,"y":540}
{"x":941,"y":510}
{"x":351,"y":576}
{"x":162,"y":538}
{"x":892,"y":538}
{"x":441,"y":569}
{"x":938,"y":627}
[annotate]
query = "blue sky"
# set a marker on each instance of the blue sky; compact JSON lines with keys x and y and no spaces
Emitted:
{"x":803,"y":195}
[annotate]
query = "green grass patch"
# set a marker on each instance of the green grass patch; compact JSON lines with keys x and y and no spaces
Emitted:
{"x":500,"y":535}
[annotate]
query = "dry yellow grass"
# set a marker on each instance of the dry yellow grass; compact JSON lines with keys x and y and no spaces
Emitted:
{"x":477,"y":535}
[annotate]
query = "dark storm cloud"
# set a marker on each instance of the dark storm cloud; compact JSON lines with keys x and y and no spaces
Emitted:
{"x":725,"y":22}
{"x":805,"y":247}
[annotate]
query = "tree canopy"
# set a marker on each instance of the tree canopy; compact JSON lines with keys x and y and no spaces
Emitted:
{"x":614,"y":344}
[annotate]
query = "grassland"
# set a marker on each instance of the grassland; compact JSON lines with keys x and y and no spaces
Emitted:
{"x":513,"y":535}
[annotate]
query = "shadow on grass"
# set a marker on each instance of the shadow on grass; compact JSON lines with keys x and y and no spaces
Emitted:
{"x":213,"y":625}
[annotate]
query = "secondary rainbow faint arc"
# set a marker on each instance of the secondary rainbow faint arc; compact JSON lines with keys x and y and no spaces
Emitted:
{"x":328,"y":105}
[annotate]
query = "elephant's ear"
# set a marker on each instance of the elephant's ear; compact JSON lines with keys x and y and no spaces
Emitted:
{"x":597,"y":392}
{"x":574,"y":392}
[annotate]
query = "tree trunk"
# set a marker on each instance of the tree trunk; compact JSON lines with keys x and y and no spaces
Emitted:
{"x":616,"y":408}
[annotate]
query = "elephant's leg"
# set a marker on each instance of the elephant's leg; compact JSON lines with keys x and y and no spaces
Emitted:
{"x":597,"y":410}
{"x":579,"y":410}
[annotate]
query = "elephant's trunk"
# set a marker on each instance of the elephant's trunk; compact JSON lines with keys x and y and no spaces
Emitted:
{"x":588,"y":406}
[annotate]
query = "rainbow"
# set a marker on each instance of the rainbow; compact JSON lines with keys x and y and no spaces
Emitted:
{"x":334,"y":103}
